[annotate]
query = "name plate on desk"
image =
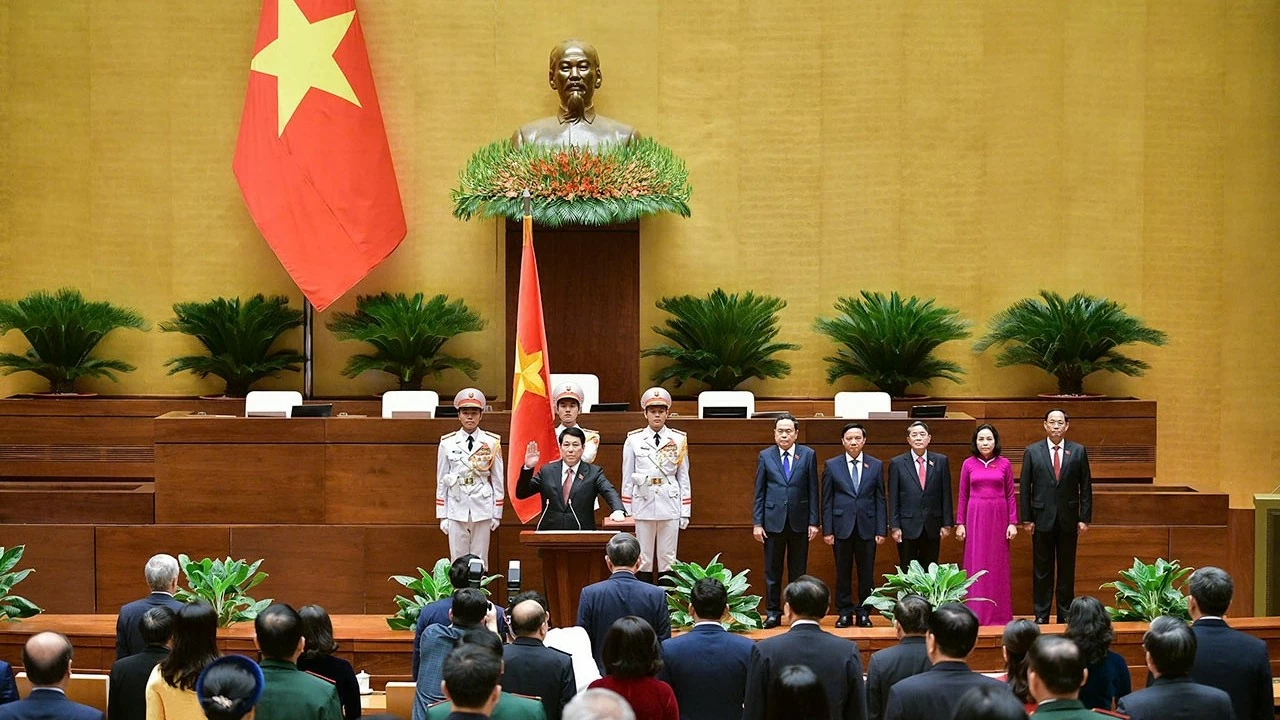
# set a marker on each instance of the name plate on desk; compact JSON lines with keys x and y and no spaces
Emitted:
{"x":888,"y":415}
{"x":418,"y":414}
{"x":267,"y":413}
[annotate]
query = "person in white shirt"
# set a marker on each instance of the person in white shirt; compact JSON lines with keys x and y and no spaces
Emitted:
{"x":655,"y":484}
{"x":567,"y":400}
{"x":470,"y":480}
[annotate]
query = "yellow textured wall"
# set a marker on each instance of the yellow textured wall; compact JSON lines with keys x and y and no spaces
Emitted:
{"x":972,"y":151}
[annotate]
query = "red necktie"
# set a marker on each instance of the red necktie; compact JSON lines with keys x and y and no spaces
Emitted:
{"x":568,"y":483}
{"x":920,"y":465}
{"x":1057,"y":464}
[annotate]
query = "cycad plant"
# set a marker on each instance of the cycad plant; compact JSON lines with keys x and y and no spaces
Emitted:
{"x":889,"y":340}
{"x":1069,"y":338}
{"x":743,"y":611}
{"x":239,"y":336}
{"x":1151,"y":591}
{"x":406,"y":334}
{"x":63,"y":329}
{"x":945,"y":583}
{"x":721,"y":339}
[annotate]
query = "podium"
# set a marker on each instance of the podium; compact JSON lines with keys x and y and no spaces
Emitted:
{"x":571,"y":560}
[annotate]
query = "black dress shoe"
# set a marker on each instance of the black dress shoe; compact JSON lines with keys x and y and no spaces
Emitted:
{"x":864,"y":620}
{"x":772,"y":621}
{"x":844,"y":621}
{"x":1042,"y":621}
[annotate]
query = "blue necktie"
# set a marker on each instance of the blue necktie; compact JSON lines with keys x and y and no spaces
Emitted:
{"x":855,"y":475}
{"x":786,"y":463}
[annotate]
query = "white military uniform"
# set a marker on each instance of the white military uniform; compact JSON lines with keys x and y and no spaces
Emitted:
{"x":470,"y":486}
{"x":590,"y":447}
{"x":656,"y":492}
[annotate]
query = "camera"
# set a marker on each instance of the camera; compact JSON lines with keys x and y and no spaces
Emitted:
{"x":475,"y":573}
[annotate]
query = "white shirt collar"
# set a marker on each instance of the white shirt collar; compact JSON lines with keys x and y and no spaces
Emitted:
{"x":1211,"y":617}
{"x":858,"y":459}
{"x":161,"y":592}
{"x":791,"y":450}
{"x":915,"y":456}
{"x":1061,"y":443}
{"x":567,"y":466}
{"x":709,"y":622}
{"x":804,"y":622}
{"x":48,"y":687}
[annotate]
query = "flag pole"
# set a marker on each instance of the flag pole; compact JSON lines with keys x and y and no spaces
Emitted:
{"x":308,"y":328}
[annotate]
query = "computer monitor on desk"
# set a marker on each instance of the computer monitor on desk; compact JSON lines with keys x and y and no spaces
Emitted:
{"x":446,"y":411}
{"x":723,"y":411}
{"x":313,"y":411}
{"x":615,"y":407}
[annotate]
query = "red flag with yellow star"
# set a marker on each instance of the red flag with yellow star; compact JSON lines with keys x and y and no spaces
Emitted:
{"x":531,"y":385}
{"x":312,"y":157}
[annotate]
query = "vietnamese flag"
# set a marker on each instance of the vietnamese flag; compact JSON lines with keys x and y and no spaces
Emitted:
{"x":312,"y":158}
{"x":531,"y":385}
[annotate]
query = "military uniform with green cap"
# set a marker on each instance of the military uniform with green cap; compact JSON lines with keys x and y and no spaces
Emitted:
{"x":509,"y":707}
{"x":291,"y":694}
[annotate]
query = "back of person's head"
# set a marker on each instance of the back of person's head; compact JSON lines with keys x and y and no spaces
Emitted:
{"x":195,"y":645}
{"x":156,"y":625}
{"x":460,"y":571}
{"x":1059,"y":665}
{"x":317,"y":628}
{"x":796,"y":692}
{"x":808,"y":597}
{"x":709,"y":598}
{"x":954,"y":628}
{"x":631,"y":649}
{"x":911,"y":612}
{"x":598,"y":704}
{"x":1172,"y":646}
{"x":1212,"y":589}
{"x":986,"y":702}
{"x":482,"y":637}
{"x":527,"y":618}
{"x":1089,"y":626}
{"x":469,"y":607}
{"x":1019,"y":636}
{"x":623,"y":550}
{"x":533,"y":595}
{"x":46,"y":657}
{"x":229,"y":687}
{"x":471,"y":675}
{"x":278,"y":629}
{"x":161,"y":572}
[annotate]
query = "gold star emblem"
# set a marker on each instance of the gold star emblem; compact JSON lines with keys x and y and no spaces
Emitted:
{"x":528,"y":375}
{"x":301,"y":58}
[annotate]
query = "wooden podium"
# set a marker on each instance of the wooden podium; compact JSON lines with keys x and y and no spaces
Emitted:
{"x":571,"y":560}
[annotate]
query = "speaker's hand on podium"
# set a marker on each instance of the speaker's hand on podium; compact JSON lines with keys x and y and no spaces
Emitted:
{"x":618,"y":516}
{"x":531,"y":454}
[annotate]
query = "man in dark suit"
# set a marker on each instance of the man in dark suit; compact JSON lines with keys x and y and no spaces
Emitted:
{"x":853,"y":521}
{"x":707,"y":666}
{"x":785,"y":514}
{"x":471,"y":676}
{"x":920,"y":512}
{"x":834,"y":660}
{"x":1232,"y":661}
{"x":620,"y":595}
{"x":569,"y":486}
{"x":161,"y":573}
{"x":127,"y":689}
{"x":909,"y":657}
{"x":1055,"y":501}
{"x":1171,"y":652}
{"x":1055,"y":674}
{"x":437,"y":612}
{"x":531,"y":668}
{"x":953,"y":631}
{"x":47,"y":660}
{"x":8,"y":684}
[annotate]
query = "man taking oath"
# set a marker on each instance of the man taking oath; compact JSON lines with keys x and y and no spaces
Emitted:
{"x":655,"y":484}
{"x":785,"y":513}
{"x":469,"y":480}
{"x":569,"y":486}
{"x":920,"y":499}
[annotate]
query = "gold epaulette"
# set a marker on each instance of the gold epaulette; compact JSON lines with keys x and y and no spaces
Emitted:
{"x":678,"y":432}
{"x":495,"y":436}
{"x":450,"y":434}
{"x":633,"y":432}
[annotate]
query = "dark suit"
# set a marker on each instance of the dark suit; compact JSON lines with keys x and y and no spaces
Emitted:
{"x":707,"y":669}
{"x":589,"y":483}
{"x":785,"y":506}
{"x":533,"y":669}
{"x":933,"y":694}
{"x":855,"y":517}
{"x":1055,"y":506}
{"x":127,"y":687}
{"x":1235,"y":663}
{"x":909,"y":657}
{"x":1177,"y":698}
{"x":128,"y":634}
{"x":8,"y":684}
{"x":834,"y":660}
{"x":920,"y":513}
{"x":622,"y":594}
{"x":48,"y":704}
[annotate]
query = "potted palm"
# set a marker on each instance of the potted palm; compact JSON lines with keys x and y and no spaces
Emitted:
{"x":889,"y":341}
{"x":238,"y":337}
{"x":720,"y":340}
{"x":64,"y":329}
{"x":1069,"y":338}
{"x":407,"y":334}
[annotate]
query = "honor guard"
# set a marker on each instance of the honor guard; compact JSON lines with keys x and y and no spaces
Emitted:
{"x":470,"y":480}
{"x":567,"y":401}
{"x":655,"y":483}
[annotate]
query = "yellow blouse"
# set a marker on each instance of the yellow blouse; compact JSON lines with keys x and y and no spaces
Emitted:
{"x":166,"y":702}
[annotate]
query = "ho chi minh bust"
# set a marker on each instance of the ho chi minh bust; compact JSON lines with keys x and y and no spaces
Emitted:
{"x":575,"y":76}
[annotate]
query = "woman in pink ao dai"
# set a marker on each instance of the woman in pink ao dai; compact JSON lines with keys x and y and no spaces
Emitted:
{"x":987,"y":519}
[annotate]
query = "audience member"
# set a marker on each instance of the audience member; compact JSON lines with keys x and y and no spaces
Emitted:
{"x":171,"y":688}
{"x":1019,"y":636}
{"x":707,"y":666}
{"x":572,"y":640}
{"x":632,"y":659}
{"x":1173,"y":695}
{"x":467,"y":611}
{"x":318,"y":658}
{"x":1055,"y":674}
{"x":953,"y":631}
{"x":127,"y":684}
{"x":796,"y":692}
{"x":909,"y":657}
{"x":47,"y":659}
{"x":598,"y":704}
{"x":1090,"y":627}
{"x":834,"y":660}
{"x":229,"y":688}
{"x":289,"y":693}
{"x":471,"y":682}
{"x":988,"y":703}
{"x":161,"y":573}
{"x":8,"y":684}
{"x":437,"y":612}
{"x":622,"y":594}
{"x":509,"y":706}
{"x":531,"y":668}
{"x":1227,"y":659}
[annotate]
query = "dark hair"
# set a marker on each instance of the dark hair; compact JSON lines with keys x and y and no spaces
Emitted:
{"x":623,"y":550}
{"x":631,"y":649}
{"x":853,"y":426}
{"x":1212,"y":588}
{"x":987,"y":702}
{"x":785,"y":416}
{"x":525,"y":623}
{"x":195,"y":645}
{"x":484,"y":638}
{"x":573,"y":432}
{"x":911,"y":612}
{"x":995,"y":435}
{"x":469,"y":607}
{"x":919,"y":423}
{"x":709,"y":598}
{"x":1058,"y":663}
{"x":1090,"y":628}
{"x":531,"y":595}
{"x":470,"y":675}
{"x":1017,"y":640}
{"x":796,"y":692}
{"x":954,"y":628}
{"x":460,"y":571}
{"x":1051,"y":411}
{"x":229,"y":687}
{"x":808,"y":597}
{"x":1172,"y":646}
{"x":317,"y":628}
{"x":156,"y":625}
{"x":42,"y":670}
{"x":278,"y":628}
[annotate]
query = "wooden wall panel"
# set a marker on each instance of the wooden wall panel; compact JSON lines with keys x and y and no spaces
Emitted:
{"x":69,"y":503}
{"x":399,"y":550}
{"x":1240,"y":558}
{"x":241,"y":483}
{"x":380,"y":484}
{"x":62,"y":556}
{"x":307,"y":564}
{"x":121,"y":553}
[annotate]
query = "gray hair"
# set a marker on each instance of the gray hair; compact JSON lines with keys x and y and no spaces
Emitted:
{"x":598,"y":704}
{"x":160,"y":572}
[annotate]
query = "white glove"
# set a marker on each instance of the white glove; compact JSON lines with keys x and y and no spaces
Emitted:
{"x":493,"y":524}
{"x":444,"y":526}
{"x":618,"y":516}
{"x":684,"y":523}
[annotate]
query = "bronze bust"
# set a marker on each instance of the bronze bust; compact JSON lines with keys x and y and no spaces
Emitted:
{"x":575,"y":76}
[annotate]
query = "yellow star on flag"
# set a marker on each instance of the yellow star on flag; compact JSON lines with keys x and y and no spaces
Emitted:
{"x":528,"y":374}
{"x":301,"y":58}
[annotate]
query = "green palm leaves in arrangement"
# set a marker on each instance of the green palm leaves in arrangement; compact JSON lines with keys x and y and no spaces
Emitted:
{"x":721,"y":339}
{"x":14,"y":607}
{"x":889,"y":340}
{"x":426,"y":588}
{"x":1069,"y":338}
{"x":407,"y":334}
{"x":939,"y":584}
{"x":239,"y":336}
{"x":223,"y":584}
{"x":63,"y":329}
{"x":1149,"y":592}
{"x":742,"y":613}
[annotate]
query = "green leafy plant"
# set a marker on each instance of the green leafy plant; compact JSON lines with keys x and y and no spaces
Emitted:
{"x":426,"y":588}
{"x":14,"y":607}
{"x":939,"y":584}
{"x":1150,"y":591}
{"x":223,"y":584}
{"x":889,"y":340}
{"x":1069,"y":338}
{"x":407,"y":334}
{"x":239,"y":336}
{"x":743,"y":613}
{"x":721,"y":339}
{"x":64,"y":329}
